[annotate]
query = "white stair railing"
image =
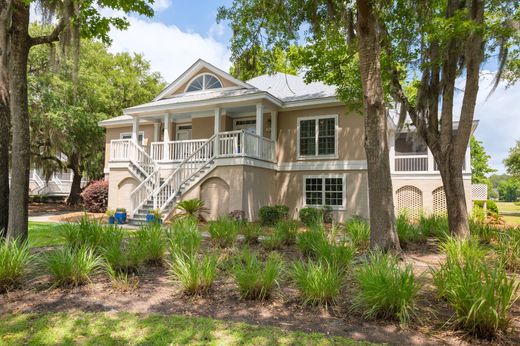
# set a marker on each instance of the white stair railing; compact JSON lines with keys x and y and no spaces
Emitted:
{"x":190,"y":166}
{"x":128,"y":150}
{"x":142,"y":193}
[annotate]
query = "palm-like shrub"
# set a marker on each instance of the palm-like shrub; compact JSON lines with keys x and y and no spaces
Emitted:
{"x":195,"y":274}
{"x":256,"y":279}
{"x":318,"y":282}
{"x":192,"y":207}
{"x":307,"y":241}
{"x":408,"y":233}
{"x":14,"y":260}
{"x":251,"y":232}
{"x":184,"y":236}
{"x":71,"y":266}
{"x":480,"y":295}
{"x":358,"y":230}
{"x":385,"y":289}
{"x":223,"y":231}
{"x":153,"y":243}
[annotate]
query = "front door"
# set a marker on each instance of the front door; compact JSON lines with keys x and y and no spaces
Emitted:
{"x":249,"y":125}
{"x":183,"y":132}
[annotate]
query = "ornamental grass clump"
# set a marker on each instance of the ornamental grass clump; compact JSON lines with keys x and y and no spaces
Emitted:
{"x":223,"y":231}
{"x":151,"y":238}
{"x":14,"y":261}
{"x":184,"y":236}
{"x":251,"y":232}
{"x":481,"y":294}
{"x":123,"y":256}
{"x":508,"y":249}
{"x":71,"y":266}
{"x":308,"y":240}
{"x":434,"y":225}
{"x":84,"y":233}
{"x":358,"y":231}
{"x":338,"y":256}
{"x":194,"y":274}
{"x":386,"y":290}
{"x":318,"y":282}
{"x":486,"y":233}
{"x":408,"y":232}
{"x":256,"y":279}
{"x":287,"y":230}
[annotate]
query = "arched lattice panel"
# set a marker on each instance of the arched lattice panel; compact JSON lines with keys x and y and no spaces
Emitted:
{"x":439,"y":201}
{"x":409,"y":200}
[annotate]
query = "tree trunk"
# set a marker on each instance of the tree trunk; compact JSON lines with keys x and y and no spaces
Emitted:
{"x":19,"y":196}
{"x":75,"y":190}
{"x":5,"y":15}
{"x":381,"y":205}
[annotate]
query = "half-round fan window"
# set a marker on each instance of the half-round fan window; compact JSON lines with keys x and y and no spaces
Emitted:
{"x":203,"y":82}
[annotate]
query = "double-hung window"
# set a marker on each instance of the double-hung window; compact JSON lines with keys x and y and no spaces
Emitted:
{"x":317,"y":137}
{"x":325,"y":191}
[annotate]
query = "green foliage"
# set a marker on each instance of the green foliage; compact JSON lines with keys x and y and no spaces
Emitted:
{"x":408,"y":232}
{"x":385,"y":289}
{"x":490,"y":205}
{"x":122,"y":256}
{"x":480,"y":295}
{"x":184,"y":236}
{"x":71,"y":266}
{"x":256,"y":279}
{"x":479,"y":162}
{"x":84,"y":233}
{"x":485,"y":233}
{"x":14,"y":260}
{"x":271,"y":214}
{"x":288,"y":230}
{"x":308,"y":241}
{"x":251,"y":232}
{"x":310,"y":215}
{"x":223,"y":231}
{"x":192,"y":207}
{"x":318,"y":282}
{"x":509,"y":190}
{"x":152,"y":242}
{"x":338,"y":257}
{"x":195,"y":274}
{"x":512,"y":162}
{"x":434,"y":225}
{"x":274,"y":241}
{"x":358,"y":231}
{"x":508,"y":249}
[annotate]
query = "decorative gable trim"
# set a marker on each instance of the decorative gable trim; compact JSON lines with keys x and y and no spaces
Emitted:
{"x":191,"y":72}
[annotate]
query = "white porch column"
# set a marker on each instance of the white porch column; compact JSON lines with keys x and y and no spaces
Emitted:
{"x":166,"y":137}
{"x":391,"y":147}
{"x":156,"y":131}
{"x":135,"y":130}
{"x":260,"y":119}
{"x":431,"y":161}
{"x":274,"y":125}
{"x":467,"y":160}
{"x":216,"y":130}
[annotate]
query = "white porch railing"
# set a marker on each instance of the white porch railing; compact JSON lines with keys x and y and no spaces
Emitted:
{"x":127,"y":150}
{"x":177,"y":150}
{"x":411,"y":163}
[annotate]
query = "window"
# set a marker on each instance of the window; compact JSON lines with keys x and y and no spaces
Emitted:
{"x":128,"y":135}
{"x":203,"y":82}
{"x":321,"y":191}
{"x":317,"y":136}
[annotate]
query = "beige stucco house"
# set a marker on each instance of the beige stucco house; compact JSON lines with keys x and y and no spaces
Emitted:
{"x":242,"y":145}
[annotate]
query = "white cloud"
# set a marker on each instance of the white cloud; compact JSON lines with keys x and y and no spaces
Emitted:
{"x":169,"y":49}
{"x":161,"y":5}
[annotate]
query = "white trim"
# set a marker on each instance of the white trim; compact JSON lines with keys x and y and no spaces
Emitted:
{"x":343,"y":177}
{"x":423,"y":176}
{"x":141,"y":133}
{"x":323,"y":166}
{"x":203,"y":74}
{"x":197,"y":66}
{"x":317,"y":156}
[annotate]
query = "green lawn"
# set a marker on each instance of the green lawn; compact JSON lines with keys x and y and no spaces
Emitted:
{"x":146,"y":329}
{"x":510,"y":212}
{"x":43,"y":234}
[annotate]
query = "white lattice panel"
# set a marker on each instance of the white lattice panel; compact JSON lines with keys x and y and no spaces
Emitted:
{"x":479,"y":192}
{"x":439,"y":201}
{"x":409,"y":200}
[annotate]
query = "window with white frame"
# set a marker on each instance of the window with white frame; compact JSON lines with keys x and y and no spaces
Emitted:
{"x":324,"y":191}
{"x":128,"y":135}
{"x":203,"y":82}
{"x":317,"y":136}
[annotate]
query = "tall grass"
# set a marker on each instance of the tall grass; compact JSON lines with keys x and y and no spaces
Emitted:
{"x":338,"y":256}
{"x":358,"y":230}
{"x":484,"y":232}
{"x":256,"y":279}
{"x":385,"y":289}
{"x":318,"y":282}
{"x":72,"y":266}
{"x":408,"y":232}
{"x":251,"y":232}
{"x":184,"y":236}
{"x":223,"y":231}
{"x":434,"y":225}
{"x":14,"y":260}
{"x":120,"y":255}
{"x":480,"y":295}
{"x":309,"y":240}
{"x":287,"y":230}
{"x":84,"y":233}
{"x":508,"y":249}
{"x":193,"y":273}
{"x":153,"y":243}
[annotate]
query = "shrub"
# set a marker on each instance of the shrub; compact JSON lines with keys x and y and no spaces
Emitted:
{"x":152,"y":242}
{"x":434,"y":225}
{"x":385,"y":289}
{"x":85,"y":233}
{"x":95,"y":196}
{"x":71,"y":267}
{"x":307,"y":241}
{"x":491,"y":206}
{"x":256,"y":279}
{"x":338,"y":256}
{"x":223,"y":231}
{"x":481,"y":296}
{"x":192,"y":207}
{"x":14,"y":260}
{"x":184,"y":236}
{"x":408,"y":233}
{"x":251,"y":232}
{"x":193,"y":273}
{"x":309,"y":216}
{"x":237,"y":215}
{"x":508,"y":249}
{"x":318,"y":282}
{"x":358,"y":230}
{"x":271,"y":214}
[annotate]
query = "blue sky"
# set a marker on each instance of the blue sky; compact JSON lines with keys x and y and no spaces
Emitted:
{"x":183,"y":31}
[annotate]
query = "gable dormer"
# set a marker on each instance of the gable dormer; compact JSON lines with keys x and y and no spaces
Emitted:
{"x":201,"y":76}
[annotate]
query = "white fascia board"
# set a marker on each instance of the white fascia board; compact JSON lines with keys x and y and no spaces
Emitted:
{"x":314,"y":102}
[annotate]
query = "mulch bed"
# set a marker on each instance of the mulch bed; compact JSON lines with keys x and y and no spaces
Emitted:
{"x":36,"y":209}
{"x":156,"y":293}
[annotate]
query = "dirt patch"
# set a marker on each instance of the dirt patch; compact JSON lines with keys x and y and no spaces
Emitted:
{"x":156,"y":293}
